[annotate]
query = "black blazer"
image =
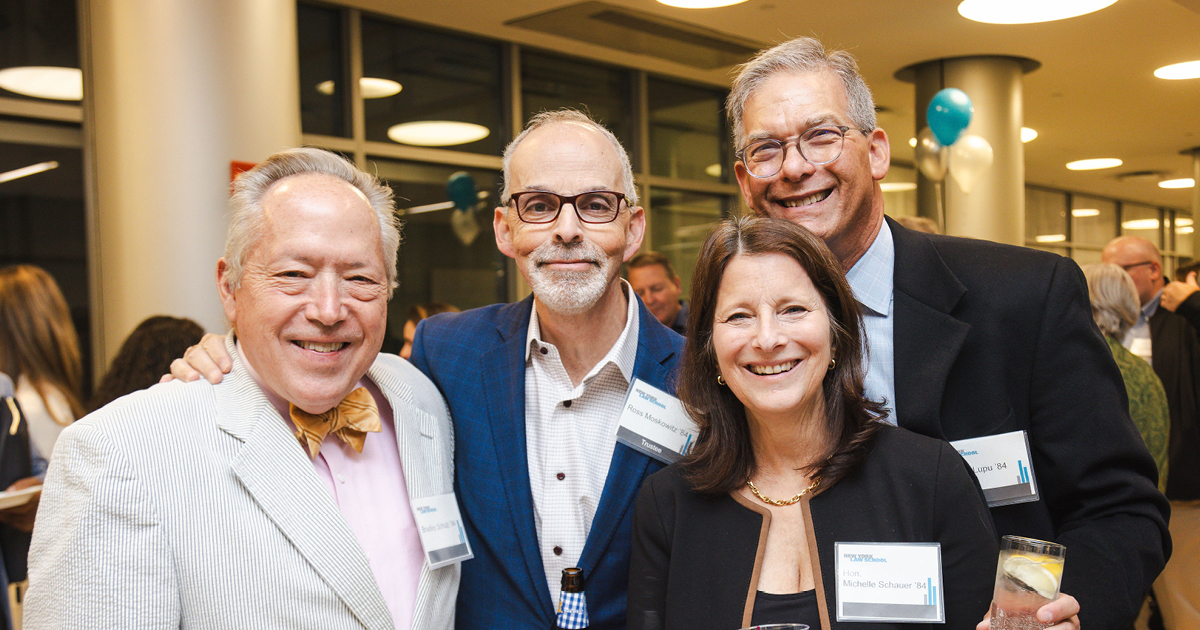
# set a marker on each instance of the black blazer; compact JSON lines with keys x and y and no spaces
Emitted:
{"x":992,"y":338}
{"x":696,"y":559}
{"x":1176,"y":349}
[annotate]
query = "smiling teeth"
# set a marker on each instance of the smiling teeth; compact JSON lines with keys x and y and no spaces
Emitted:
{"x":319,"y":347}
{"x":766,"y":370}
{"x":811,"y":199}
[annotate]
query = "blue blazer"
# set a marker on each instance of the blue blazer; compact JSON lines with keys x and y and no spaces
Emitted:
{"x":477,"y":360}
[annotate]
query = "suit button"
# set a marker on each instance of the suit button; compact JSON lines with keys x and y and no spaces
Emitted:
{"x":561,"y":476}
{"x":544,"y":350}
{"x":567,"y":404}
{"x":557,"y":550}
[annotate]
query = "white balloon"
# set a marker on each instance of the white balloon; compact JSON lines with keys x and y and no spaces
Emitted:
{"x":970,"y":158}
{"x":465,"y":227}
{"x":932,"y":157}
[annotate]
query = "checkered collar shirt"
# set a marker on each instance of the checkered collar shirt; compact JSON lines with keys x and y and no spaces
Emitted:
{"x":1137,"y":338}
{"x":571,"y":432}
{"x":872,"y":280}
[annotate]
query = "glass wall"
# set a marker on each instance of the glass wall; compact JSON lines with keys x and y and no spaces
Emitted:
{"x":550,"y":82}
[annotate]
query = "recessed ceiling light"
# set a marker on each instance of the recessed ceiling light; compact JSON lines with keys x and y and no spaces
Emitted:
{"x":1185,"y":70}
{"x":1028,"y":134}
{"x":1182,"y":221}
{"x":1185,"y":230}
{"x":1050,"y":238}
{"x":912,"y":142}
{"x":713,"y":170}
{"x":26,"y":171}
{"x":1186,"y":182}
{"x":700,"y":4}
{"x":897,"y":186}
{"x":60,"y":84}
{"x":1140,"y":224}
{"x":437,"y":133}
{"x":1027,"y":11}
{"x":1091,"y":165}
{"x":371,"y":87}
{"x":1085,"y":212}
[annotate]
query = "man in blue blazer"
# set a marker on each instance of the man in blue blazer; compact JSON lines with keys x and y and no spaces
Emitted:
{"x":485,"y":361}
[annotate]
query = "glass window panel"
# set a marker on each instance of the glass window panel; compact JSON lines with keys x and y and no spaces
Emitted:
{"x":679,"y":223}
{"x":1139,"y":220}
{"x":38,"y":33}
{"x":323,"y":97}
{"x":1045,"y":218}
{"x":1093,"y":221}
{"x":1086,"y":256}
{"x":687,"y":131}
{"x":434,"y":262}
{"x":549,"y":83}
{"x":442,"y":78}
{"x":1183,"y":235}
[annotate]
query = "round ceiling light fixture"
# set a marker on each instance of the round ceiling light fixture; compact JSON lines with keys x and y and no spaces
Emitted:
{"x":437,"y":133}
{"x":371,"y":87}
{"x":1186,"y":182}
{"x":60,"y":84}
{"x":700,"y":4}
{"x":1027,"y":11}
{"x":1177,"y":71}
{"x":897,"y":186}
{"x":1094,"y":164}
{"x":1028,"y":134}
{"x":1085,"y":212}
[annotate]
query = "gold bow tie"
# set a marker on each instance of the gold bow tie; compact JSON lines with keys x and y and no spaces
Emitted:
{"x":350,"y":421}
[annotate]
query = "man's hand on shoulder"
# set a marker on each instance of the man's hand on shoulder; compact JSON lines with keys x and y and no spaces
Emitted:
{"x":207,"y":359}
{"x":1176,"y":292}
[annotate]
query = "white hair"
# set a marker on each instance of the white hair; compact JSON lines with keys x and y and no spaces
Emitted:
{"x":246,"y":220}
{"x":1114,"y":298}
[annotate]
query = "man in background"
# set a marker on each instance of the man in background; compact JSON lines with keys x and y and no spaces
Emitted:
{"x":655,"y":281}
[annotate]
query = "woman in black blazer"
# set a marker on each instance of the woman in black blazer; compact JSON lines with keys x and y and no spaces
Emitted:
{"x":790,"y":458}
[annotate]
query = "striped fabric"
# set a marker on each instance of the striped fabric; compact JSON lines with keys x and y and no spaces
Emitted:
{"x":189,"y":505}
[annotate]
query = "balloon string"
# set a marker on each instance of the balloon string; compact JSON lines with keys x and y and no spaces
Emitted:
{"x":941,"y":206}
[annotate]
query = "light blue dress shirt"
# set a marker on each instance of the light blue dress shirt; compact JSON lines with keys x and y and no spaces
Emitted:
{"x":872,"y":281}
{"x":1137,"y":338}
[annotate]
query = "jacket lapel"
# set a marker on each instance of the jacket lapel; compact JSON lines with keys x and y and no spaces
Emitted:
{"x":282,"y":481}
{"x":926,"y":336}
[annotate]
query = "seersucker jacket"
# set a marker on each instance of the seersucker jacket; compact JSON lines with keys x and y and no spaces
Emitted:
{"x":190,"y":505}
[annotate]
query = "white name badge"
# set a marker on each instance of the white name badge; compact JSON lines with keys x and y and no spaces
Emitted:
{"x":1003,"y":466}
{"x":655,"y":423}
{"x":1141,"y":347}
{"x":441,"y":529}
{"x":893,"y":582}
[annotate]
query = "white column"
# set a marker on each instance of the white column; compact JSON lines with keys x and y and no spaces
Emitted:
{"x":175,"y":91}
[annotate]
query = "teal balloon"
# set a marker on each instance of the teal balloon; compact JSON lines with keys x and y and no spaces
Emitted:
{"x":949,"y":114}
{"x":460,"y":188}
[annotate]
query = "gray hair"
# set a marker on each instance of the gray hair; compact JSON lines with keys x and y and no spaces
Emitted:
{"x":568,"y":115}
{"x":246,"y":220}
{"x":803,"y":54}
{"x":1114,"y":298}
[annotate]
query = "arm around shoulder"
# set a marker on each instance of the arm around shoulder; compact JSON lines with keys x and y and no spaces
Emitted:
{"x":99,"y":558}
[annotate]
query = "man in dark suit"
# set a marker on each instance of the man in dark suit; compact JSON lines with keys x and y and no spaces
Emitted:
{"x":535,"y":387}
{"x":967,"y":338}
{"x":1165,"y":338}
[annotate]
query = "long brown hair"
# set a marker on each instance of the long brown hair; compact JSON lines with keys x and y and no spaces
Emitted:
{"x":37,"y":338}
{"x":723,"y":457}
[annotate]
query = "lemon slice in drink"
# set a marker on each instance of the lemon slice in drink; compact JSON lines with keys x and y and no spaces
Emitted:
{"x":1032,"y":574}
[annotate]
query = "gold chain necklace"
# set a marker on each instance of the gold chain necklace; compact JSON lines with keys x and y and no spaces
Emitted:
{"x":790,"y":501}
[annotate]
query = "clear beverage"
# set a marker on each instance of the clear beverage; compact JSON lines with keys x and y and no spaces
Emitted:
{"x":1027,"y":578}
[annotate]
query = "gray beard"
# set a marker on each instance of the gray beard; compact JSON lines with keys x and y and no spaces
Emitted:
{"x":569,"y":292}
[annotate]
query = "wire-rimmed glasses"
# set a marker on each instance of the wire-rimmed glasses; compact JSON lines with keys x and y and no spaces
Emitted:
{"x":543,"y":206}
{"x":818,"y":145}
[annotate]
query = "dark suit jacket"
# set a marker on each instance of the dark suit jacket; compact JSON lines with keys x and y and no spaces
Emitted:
{"x":992,"y":338}
{"x":1176,"y":358}
{"x":477,"y":360}
{"x":697,"y":559}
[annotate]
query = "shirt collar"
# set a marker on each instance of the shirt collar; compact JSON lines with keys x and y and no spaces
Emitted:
{"x":623,"y":353}
{"x":871,"y":277}
{"x":1152,"y":306}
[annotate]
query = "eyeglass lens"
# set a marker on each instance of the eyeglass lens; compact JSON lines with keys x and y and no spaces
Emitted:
{"x":820,"y":145}
{"x":543,"y":207}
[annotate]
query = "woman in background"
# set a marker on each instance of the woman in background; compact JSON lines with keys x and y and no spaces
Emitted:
{"x":145,"y":356}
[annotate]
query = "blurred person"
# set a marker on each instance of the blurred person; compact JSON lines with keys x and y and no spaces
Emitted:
{"x":17,"y":463}
{"x":1171,"y":345}
{"x":39,"y":349}
{"x":1181,"y":296}
{"x":145,"y":356}
{"x":287,"y":496}
{"x":918,"y":224}
{"x":654,"y":280}
{"x":416,"y":313}
{"x":1115,"y":309}
{"x":966,"y":339}
{"x":773,"y":378}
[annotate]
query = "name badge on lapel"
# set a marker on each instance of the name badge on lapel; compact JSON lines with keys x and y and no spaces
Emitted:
{"x":891,"y":582}
{"x":1003,"y":466}
{"x":654,"y":422}
{"x":441,"y":529}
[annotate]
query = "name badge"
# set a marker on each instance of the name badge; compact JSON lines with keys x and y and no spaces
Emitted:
{"x":655,"y":423}
{"x":442,"y":534}
{"x":1141,"y":347}
{"x":893,"y":582}
{"x":1003,"y":466}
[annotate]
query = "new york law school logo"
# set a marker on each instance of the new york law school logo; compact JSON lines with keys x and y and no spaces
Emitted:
{"x":651,"y":399}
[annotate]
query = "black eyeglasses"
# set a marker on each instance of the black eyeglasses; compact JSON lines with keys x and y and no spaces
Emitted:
{"x":543,"y":206}
{"x":817,"y":145}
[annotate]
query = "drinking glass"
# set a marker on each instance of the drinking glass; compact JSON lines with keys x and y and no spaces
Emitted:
{"x":779,"y":626}
{"x":1027,"y":578}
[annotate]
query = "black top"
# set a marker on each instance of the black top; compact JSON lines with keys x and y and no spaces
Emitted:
{"x":789,"y":608}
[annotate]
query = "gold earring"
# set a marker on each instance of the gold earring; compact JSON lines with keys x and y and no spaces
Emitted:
{"x":720,"y":381}
{"x":832,"y":363}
